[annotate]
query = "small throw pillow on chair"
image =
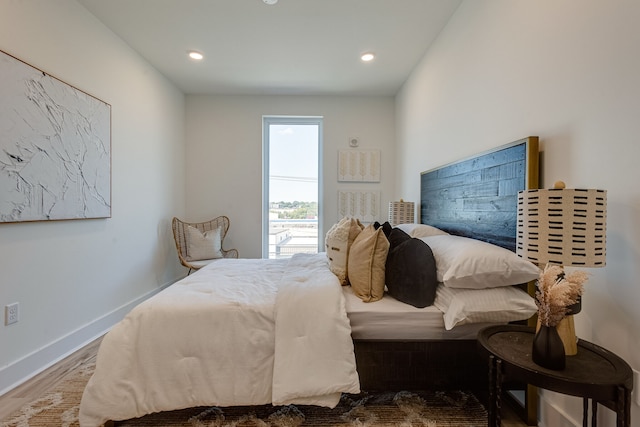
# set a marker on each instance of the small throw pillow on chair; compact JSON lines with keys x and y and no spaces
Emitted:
{"x":207,"y":245}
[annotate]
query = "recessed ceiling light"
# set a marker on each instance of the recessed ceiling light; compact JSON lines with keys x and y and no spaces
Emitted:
{"x":195,"y":55}
{"x":366,"y":57}
{"x":270,"y":2}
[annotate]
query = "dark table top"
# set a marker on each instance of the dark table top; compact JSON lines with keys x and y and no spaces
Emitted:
{"x":593,"y":372}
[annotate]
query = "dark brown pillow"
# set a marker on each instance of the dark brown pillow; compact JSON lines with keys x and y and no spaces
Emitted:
{"x":386,"y":227}
{"x":410,"y":270}
{"x":396,"y":236}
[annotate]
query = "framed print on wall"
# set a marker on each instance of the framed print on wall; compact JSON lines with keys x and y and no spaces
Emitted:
{"x":55,"y":147}
{"x":359,"y":166}
{"x":361,"y":204}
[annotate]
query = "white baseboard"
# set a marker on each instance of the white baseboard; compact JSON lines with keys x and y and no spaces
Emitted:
{"x":32,"y":364}
{"x":552,"y":415}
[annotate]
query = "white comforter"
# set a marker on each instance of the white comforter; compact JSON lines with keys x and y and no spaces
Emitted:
{"x":237,"y":332}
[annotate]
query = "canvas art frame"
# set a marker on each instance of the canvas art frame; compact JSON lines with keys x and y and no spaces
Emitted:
{"x":55,"y":147}
{"x":359,"y":165}
{"x":361,"y":204}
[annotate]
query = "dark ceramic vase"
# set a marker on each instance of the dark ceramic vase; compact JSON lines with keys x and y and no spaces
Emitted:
{"x":548,"y":350}
{"x":575,"y":308}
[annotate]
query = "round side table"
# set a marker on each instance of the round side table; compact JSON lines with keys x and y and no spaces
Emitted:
{"x":594,"y":373}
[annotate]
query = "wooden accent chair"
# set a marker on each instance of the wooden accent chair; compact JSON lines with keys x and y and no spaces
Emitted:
{"x":180,"y":235}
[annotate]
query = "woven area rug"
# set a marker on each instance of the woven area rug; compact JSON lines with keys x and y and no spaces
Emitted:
{"x":60,"y":406}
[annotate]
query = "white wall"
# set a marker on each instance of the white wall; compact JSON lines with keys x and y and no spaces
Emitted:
{"x":73,"y":279}
{"x":224,"y":155}
{"x":569,"y":72}
{"x":566,"y":71}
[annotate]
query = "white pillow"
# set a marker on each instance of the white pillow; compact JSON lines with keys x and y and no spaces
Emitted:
{"x":203,"y":246}
{"x":420,"y":230}
{"x":337,"y":243}
{"x":462,"y":262}
{"x":496,"y":305}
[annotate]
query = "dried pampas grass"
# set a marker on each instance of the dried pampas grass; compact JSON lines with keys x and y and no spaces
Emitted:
{"x":556,"y":292}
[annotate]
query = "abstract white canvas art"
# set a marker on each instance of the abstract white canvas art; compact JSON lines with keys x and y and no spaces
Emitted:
{"x":55,"y":148}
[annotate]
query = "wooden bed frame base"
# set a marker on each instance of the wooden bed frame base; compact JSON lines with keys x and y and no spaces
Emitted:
{"x":420,"y":365}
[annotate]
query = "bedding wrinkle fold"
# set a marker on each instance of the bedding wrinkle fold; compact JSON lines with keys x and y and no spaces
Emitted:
{"x":312,"y":356}
{"x":236,"y":332}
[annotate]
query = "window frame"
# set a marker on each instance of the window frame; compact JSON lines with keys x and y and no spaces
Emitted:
{"x":267,"y":121}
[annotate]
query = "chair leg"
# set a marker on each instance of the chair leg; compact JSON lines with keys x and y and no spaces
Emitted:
{"x":189,"y":272}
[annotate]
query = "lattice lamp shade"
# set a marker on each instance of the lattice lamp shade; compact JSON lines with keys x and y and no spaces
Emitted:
{"x":562,"y":226}
{"x":401,"y":212}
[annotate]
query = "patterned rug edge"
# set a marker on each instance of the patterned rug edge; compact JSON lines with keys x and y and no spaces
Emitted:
{"x":60,"y":406}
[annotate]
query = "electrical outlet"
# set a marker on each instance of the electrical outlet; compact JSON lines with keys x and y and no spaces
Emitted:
{"x":11,"y":314}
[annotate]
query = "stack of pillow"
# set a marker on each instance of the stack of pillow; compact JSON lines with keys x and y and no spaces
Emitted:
{"x":422,"y":265}
{"x":372,"y":257}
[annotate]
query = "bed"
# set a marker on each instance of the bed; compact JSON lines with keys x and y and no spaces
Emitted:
{"x":250,"y":332}
{"x":475,"y":197}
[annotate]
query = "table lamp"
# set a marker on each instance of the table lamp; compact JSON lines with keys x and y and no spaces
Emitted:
{"x":401,"y":212}
{"x":564,"y":227}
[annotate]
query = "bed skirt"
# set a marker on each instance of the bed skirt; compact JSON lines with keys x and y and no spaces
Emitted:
{"x":420,"y":365}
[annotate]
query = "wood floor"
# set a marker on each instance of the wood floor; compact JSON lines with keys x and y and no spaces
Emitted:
{"x":43,"y":382}
{"x":46,"y":380}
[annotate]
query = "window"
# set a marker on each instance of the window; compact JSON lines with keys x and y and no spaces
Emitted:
{"x":291,"y":191}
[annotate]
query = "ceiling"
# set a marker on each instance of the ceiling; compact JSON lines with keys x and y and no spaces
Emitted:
{"x":309,"y":47}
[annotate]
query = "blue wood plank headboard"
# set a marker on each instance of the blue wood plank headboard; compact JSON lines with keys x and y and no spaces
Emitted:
{"x":477,"y":197}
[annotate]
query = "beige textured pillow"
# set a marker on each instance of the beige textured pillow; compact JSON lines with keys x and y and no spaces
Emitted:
{"x":203,"y":246}
{"x":367,"y":259}
{"x":337,"y":242}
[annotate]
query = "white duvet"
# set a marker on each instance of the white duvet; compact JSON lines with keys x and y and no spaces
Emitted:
{"x":237,"y":332}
